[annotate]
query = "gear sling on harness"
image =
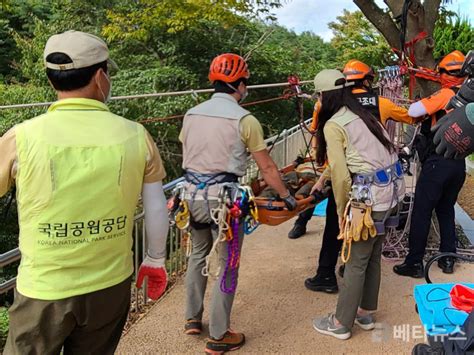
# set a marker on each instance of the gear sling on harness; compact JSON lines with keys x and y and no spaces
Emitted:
{"x":236,"y":207}
{"x":357,"y":221}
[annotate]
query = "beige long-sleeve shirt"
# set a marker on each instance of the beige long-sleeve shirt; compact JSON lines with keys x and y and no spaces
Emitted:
{"x":353,"y":149}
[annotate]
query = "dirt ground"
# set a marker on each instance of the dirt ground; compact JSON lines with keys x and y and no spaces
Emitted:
{"x":275,"y":311}
{"x":466,"y":197}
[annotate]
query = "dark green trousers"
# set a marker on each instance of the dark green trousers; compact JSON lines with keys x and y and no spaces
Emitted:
{"x":361,"y":283}
{"x":86,"y":324}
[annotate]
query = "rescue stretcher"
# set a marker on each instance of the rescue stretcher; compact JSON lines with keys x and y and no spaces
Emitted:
{"x":273,"y":212}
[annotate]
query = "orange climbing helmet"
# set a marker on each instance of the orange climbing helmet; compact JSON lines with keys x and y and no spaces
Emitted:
{"x":452,"y":61}
{"x":228,"y":67}
{"x":357,"y":70}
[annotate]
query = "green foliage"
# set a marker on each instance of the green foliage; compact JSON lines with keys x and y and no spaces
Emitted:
{"x":138,"y":20}
{"x":18,"y":16}
{"x":356,"y":38}
{"x":18,"y":94}
{"x":3,"y":326}
{"x":168,"y":58}
{"x":453,"y":32}
{"x":7,"y":48}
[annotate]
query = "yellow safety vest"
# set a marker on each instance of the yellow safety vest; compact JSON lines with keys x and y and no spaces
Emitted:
{"x":80,"y":173}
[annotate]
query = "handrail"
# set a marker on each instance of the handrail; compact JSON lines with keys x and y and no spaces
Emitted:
{"x":9,"y":257}
{"x":155,"y":95}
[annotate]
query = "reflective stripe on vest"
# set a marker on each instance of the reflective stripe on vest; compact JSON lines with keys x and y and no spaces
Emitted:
{"x":80,"y":175}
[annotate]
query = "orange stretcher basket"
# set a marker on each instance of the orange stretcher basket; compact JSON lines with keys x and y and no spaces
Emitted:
{"x":273,"y":212}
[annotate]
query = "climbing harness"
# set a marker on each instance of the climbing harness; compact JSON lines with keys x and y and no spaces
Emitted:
{"x":239,"y":210}
{"x":357,"y":223}
{"x":179,"y":215}
{"x":233,"y":254}
{"x":236,"y":209}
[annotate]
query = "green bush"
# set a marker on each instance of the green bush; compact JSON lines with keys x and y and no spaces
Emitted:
{"x":3,"y":326}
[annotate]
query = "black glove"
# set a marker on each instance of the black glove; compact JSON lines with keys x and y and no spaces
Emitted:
{"x":299,"y":160}
{"x":320,"y":195}
{"x":454,"y":136}
{"x":290,"y":202}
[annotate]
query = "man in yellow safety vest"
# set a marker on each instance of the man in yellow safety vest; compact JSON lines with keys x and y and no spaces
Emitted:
{"x":79,"y":170}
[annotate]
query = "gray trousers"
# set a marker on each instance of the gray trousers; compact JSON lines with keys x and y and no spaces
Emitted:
{"x":361,"y":283}
{"x":202,"y":241}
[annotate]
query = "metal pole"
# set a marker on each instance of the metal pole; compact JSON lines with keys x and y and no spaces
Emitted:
{"x":136,"y":263}
{"x":9,"y":257}
{"x":155,"y":95}
{"x":7,"y":285}
{"x":144,"y":253}
{"x":178,"y":251}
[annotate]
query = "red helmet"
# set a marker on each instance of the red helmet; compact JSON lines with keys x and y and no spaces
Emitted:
{"x":452,"y":61}
{"x":357,"y":70}
{"x":228,"y":67}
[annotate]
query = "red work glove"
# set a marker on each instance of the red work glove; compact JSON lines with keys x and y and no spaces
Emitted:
{"x":154,"y":270}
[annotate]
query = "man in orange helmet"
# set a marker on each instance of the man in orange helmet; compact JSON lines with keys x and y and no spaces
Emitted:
{"x":440,"y":179}
{"x":363,"y":76}
{"x":217,"y":136}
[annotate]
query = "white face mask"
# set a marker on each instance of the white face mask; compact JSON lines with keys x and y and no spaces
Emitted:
{"x":109,"y":94}
{"x":244,"y":95}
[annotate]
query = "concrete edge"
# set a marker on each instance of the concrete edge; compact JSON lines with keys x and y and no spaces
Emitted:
{"x":466,"y":223}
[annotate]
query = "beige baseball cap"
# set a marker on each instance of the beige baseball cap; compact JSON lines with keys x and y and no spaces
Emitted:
{"x":330,"y":79}
{"x":83,"y":48}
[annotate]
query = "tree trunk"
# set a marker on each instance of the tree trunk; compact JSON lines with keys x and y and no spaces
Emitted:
{"x":421,"y":17}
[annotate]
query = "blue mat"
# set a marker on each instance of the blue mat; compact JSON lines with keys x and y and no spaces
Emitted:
{"x":435,"y":310}
{"x":320,"y":209}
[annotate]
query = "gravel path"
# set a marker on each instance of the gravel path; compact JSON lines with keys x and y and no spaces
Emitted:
{"x":275,"y":311}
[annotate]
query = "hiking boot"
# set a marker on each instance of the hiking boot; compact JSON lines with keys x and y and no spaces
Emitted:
{"x":326,"y":326}
{"x":230,"y":341}
{"x":412,"y":270}
{"x":193,"y":327}
{"x":446,"y":264}
{"x":297,"y":231}
{"x":320,"y":283}
{"x":365,"y":322}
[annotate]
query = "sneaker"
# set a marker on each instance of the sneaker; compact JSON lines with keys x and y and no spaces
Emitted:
{"x":230,"y":341}
{"x":297,"y":231}
{"x":193,"y":327}
{"x":326,"y":326}
{"x":365,"y":322}
{"x":425,"y":349}
{"x":412,"y":270}
{"x":320,"y":283}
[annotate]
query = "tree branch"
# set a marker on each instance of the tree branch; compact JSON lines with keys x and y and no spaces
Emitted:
{"x":395,"y":6}
{"x":381,"y":20}
{"x":431,"y":14}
